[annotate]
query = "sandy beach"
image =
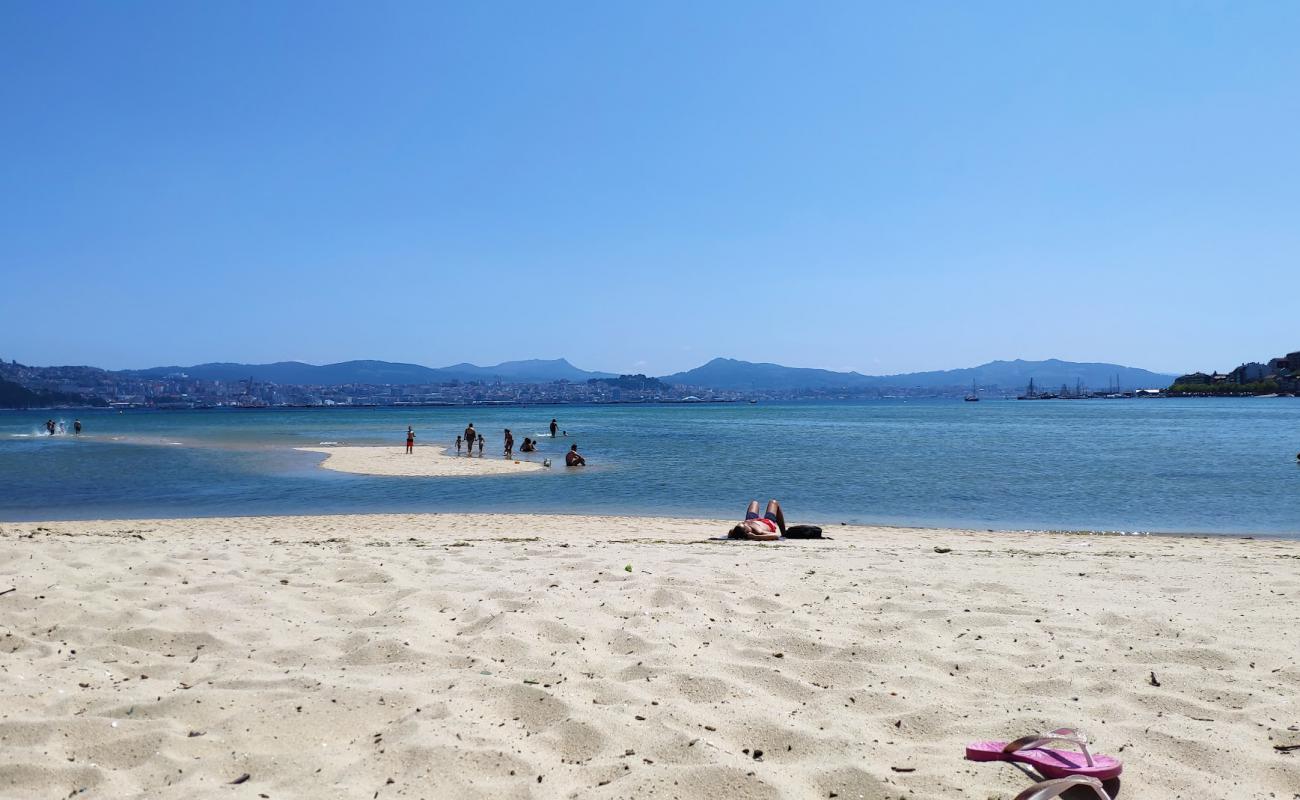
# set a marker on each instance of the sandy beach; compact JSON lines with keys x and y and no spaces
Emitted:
{"x":495,"y":656}
{"x":425,"y":462}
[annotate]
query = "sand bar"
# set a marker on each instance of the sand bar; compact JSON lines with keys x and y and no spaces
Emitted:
{"x":425,"y":462}
{"x":495,"y":656}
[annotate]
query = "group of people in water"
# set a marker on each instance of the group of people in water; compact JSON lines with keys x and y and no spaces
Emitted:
{"x":470,"y":437}
{"x":52,"y":427}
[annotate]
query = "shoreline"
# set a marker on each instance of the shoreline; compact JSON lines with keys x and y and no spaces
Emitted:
{"x":518,"y":655}
{"x":829,"y":528}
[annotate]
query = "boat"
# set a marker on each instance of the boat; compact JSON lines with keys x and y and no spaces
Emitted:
{"x":974,"y":396}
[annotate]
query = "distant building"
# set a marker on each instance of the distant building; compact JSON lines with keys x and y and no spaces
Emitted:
{"x":1197,"y":378}
{"x":1288,"y":365}
{"x":1252,"y":372}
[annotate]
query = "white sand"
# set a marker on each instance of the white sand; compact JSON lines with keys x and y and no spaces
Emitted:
{"x":500,"y":656}
{"x":425,"y":462}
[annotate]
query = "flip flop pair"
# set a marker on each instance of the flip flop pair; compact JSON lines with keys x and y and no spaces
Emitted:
{"x":1049,"y":761}
{"x":1057,"y":786}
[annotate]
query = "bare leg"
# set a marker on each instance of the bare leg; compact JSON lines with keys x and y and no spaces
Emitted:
{"x":753,"y":508}
{"x":774,"y":508}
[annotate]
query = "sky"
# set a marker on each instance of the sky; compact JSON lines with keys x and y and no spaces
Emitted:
{"x":640,"y":187}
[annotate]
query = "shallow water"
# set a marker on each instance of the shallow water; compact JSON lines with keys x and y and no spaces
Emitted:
{"x":1194,"y":465}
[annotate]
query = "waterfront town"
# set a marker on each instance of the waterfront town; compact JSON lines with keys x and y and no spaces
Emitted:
{"x":23,"y":386}
{"x":179,"y":390}
{"x":1279,"y":375}
{"x":92,"y":386}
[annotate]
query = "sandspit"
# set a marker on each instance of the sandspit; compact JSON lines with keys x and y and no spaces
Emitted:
{"x":425,"y":462}
{"x":497,"y":656}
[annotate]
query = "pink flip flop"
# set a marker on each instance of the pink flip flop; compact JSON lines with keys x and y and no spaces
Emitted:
{"x":1047,"y":790}
{"x":1050,"y":762}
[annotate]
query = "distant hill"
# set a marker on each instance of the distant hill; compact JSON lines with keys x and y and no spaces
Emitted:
{"x":378,"y":372}
{"x":533,"y":370}
{"x":13,"y":395}
{"x":296,"y":372}
{"x":732,"y":375}
{"x":739,"y":376}
{"x":1049,"y":374}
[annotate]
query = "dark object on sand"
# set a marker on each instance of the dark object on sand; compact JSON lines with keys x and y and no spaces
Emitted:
{"x":802,"y":532}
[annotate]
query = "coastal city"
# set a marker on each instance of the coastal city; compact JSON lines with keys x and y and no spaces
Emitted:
{"x":90,"y":386}
{"x":23,"y":386}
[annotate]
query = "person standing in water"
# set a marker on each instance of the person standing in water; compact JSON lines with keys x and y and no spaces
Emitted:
{"x":470,"y":435}
{"x":510,"y":444}
{"x":555,"y":426}
{"x":76,"y":427}
{"x":481,"y":440}
{"x":410,"y":439}
{"x":458,"y":445}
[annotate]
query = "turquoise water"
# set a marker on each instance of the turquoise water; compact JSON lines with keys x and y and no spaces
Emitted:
{"x":1195,"y":465}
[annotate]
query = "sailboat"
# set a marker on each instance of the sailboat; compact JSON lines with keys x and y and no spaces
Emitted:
{"x":974,"y":396}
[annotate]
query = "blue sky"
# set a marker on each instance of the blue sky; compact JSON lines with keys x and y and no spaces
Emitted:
{"x":641,"y":187}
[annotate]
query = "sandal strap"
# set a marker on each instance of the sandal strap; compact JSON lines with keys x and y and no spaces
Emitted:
{"x":1055,"y":788}
{"x":1071,"y":735}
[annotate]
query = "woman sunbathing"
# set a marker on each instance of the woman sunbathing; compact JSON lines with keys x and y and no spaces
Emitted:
{"x":765,"y":528}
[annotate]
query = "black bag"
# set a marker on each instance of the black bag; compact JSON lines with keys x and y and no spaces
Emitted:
{"x":803,"y":532}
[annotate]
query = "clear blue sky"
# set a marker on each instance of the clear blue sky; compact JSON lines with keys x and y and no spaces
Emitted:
{"x":884,"y":187}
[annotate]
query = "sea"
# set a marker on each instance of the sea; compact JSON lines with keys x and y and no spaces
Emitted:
{"x":1196,"y":465}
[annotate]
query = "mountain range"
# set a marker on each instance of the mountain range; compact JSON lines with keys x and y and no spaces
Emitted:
{"x":378,"y":372}
{"x":720,"y":374}
{"x":729,"y":374}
